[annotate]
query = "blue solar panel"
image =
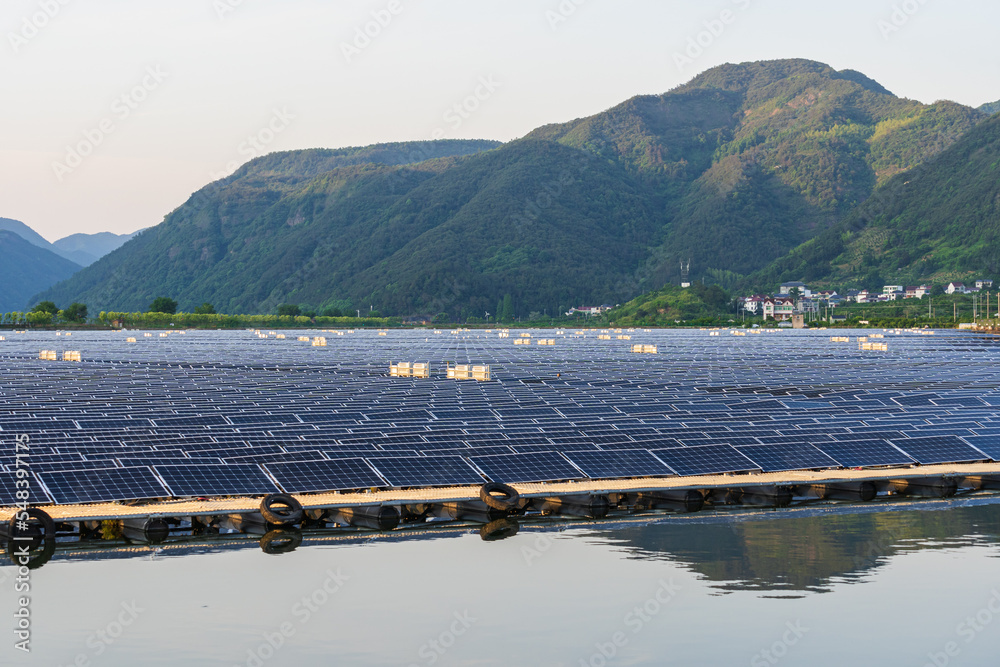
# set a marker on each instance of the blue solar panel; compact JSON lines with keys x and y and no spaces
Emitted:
{"x":8,"y":490}
{"x":619,"y":463}
{"x":706,"y":460}
{"x":987,"y":444}
{"x":426,"y":470}
{"x":90,"y":486}
{"x":780,"y":457}
{"x":939,"y":449}
{"x":215,"y":480}
{"x":864,"y":453}
{"x":319,"y":476}
{"x":533,"y":467}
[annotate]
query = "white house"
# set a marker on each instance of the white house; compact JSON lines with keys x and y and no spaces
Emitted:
{"x":786,"y":289}
{"x":955,"y":288}
{"x":778,"y":308}
{"x":984,"y":284}
{"x":891,"y":289}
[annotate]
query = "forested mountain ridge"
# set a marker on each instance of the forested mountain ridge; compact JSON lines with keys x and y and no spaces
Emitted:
{"x":730,"y":170}
{"x":937,"y":223}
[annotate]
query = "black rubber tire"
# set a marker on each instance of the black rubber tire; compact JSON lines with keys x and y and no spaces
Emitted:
{"x":288,"y":515}
{"x":500,"y":529}
{"x":507,"y":500}
{"x":281,"y":541}
{"x":48,"y":525}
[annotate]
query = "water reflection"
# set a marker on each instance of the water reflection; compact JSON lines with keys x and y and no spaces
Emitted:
{"x":788,"y":551}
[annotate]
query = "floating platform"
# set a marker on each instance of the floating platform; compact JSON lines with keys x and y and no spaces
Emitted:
{"x":930,"y":480}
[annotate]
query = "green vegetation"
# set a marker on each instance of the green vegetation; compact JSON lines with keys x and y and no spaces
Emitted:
{"x":76,"y":312}
{"x":731,"y":171}
{"x":698,"y":305}
{"x":219,"y":321}
{"x":937,"y":223}
{"x":990,"y":108}
{"x":163,"y":304}
{"x":205,"y":309}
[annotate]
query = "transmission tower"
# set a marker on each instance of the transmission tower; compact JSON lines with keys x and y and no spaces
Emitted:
{"x":685,"y":271}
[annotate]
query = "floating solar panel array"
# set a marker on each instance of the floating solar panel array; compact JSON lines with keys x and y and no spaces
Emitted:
{"x":231,"y":413}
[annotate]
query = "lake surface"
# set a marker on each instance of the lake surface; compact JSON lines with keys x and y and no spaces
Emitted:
{"x":894,"y":582}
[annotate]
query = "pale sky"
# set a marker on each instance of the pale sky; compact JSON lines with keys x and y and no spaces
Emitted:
{"x":163,"y":96}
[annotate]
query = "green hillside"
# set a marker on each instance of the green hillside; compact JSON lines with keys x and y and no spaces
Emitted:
{"x":26,"y":269}
{"x":990,"y":108}
{"x":937,"y":223}
{"x":731,"y":170}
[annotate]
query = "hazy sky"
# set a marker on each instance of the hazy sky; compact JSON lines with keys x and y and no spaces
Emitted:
{"x":116,"y":111}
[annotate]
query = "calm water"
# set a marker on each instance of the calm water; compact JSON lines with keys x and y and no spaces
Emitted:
{"x":889,"y":583}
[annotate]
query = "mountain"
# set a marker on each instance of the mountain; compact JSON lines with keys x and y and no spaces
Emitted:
{"x":82,"y":249}
{"x":25,"y":232}
{"x":990,"y":108}
{"x":937,"y":223}
{"x":26,"y":269}
{"x":85,"y":249}
{"x":731,"y":171}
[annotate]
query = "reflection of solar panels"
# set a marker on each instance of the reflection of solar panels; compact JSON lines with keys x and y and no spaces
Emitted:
{"x":90,"y":486}
{"x":426,"y":471}
{"x":705,"y":460}
{"x":215,"y":480}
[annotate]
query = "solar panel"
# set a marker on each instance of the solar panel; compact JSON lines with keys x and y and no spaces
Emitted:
{"x":864,"y":453}
{"x":319,"y":476}
{"x":987,"y":444}
{"x":8,"y":490}
{"x":215,"y":480}
{"x":939,"y":449}
{"x":533,"y":467}
{"x":705,"y":460}
{"x":90,"y":486}
{"x":426,"y":471}
{"x":619,"y":463}
{"x":780,"y":457}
